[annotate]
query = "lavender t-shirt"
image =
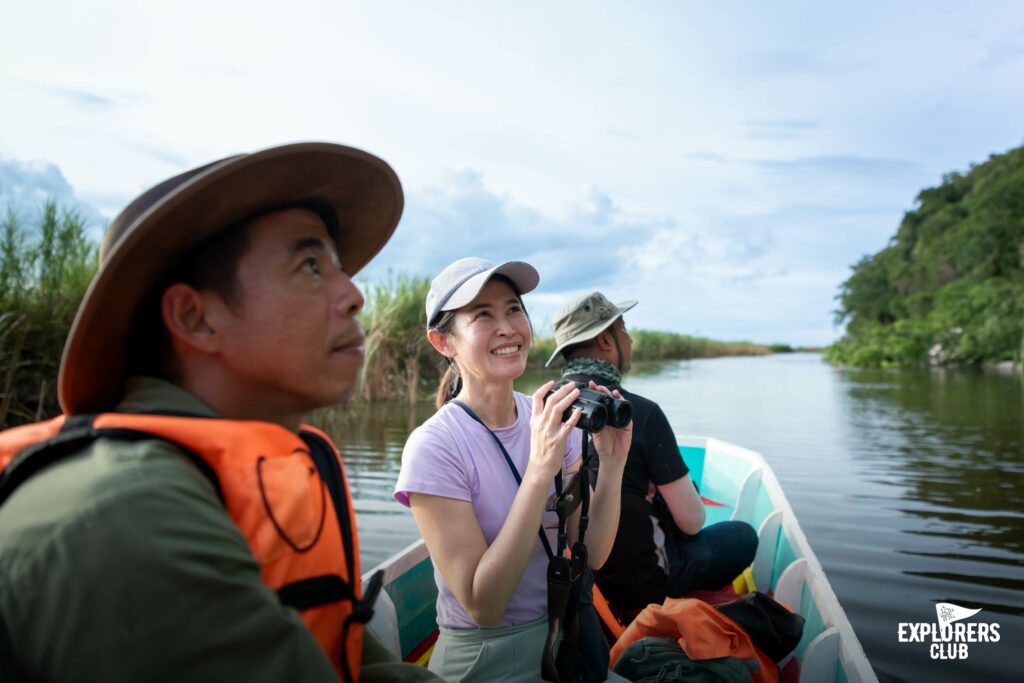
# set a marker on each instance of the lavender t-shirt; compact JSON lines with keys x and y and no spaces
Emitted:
{"x":453,"y":456}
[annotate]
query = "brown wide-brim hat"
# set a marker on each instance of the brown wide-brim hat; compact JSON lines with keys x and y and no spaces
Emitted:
{"x":149,"y":237}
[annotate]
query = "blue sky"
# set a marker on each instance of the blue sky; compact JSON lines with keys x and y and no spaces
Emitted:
{"x":724,"y":163}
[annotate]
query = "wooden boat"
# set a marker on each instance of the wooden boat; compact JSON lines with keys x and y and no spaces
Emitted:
{"x":736,"y":484}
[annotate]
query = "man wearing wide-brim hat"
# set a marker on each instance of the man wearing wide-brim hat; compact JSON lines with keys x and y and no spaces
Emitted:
{"x":178,"y":522}
{"x":649,"y":561}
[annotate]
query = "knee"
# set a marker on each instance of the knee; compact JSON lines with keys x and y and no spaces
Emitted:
{"x":744,"y":539}
{"x":736,"y":540}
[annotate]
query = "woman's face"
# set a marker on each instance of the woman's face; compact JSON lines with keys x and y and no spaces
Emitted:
{"x":490,"y":336}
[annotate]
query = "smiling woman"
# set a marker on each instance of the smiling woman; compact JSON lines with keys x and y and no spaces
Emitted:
{"x":480,"y":478}
{"x":496,"y":326}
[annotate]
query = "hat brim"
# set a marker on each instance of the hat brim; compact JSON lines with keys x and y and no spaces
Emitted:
{"x":522,"y":274}
{"x":363,"y":190}
{"x":592,"y":332}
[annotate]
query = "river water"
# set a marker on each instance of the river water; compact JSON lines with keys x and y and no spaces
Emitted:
{"x":908,"y":483}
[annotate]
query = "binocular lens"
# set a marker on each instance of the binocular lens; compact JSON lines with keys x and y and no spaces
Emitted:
{"x":623,"y":413}
{"x":598,"y":419}
{"x":599,"y":410}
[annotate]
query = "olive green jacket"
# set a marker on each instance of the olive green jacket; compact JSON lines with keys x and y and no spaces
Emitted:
{"x":120,"y":564}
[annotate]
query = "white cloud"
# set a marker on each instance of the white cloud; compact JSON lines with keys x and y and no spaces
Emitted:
{"x":731,"y":283}
{"x":716,"y":155}
{"x":25,"y":186}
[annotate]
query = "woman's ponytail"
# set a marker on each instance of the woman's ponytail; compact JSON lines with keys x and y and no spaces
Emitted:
{"x":451,"y":380}
{"x":451,"y":384}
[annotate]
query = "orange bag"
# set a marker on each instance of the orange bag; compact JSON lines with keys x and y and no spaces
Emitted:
{"x":702,"y":631}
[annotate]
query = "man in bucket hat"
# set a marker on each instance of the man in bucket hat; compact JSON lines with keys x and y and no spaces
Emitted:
{"x":178,"y":522}
{"x":649,"y":561}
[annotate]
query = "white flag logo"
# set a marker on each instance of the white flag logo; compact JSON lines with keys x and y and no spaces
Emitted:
{"x":947,"y":612}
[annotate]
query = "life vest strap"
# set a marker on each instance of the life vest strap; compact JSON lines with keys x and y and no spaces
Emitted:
{"x":75,"y":434}
{"x":362,"y":610}
{"x":315,"y":592}
{"x":326,"y":463}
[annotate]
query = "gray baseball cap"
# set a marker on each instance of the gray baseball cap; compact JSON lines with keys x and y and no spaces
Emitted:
{"x":460,"y":282}
{"x":584,"y":318}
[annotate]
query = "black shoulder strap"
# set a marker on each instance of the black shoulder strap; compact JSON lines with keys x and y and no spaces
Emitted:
{"x":330,"y":472}
{"x":321,"y":590}
{"x":515,"y":473}
{"x":564,"y":577}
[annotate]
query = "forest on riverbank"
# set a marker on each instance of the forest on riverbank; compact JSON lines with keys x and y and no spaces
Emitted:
{"x":948,"y":289}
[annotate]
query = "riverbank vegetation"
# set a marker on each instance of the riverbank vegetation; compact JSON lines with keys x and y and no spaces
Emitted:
{"x":45,"y":267}
{"x":399,"y":359}
{"x":949,"y":287}
{"x":47,"y":262}
{"x":651,"y":345}
{"x":401,"y":364}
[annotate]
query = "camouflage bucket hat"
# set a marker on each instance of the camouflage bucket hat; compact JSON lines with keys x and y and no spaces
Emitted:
{"x":584,"y":318}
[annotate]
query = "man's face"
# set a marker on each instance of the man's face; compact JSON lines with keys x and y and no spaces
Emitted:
{"x":292,"y":341}
{"x":625,"y":343}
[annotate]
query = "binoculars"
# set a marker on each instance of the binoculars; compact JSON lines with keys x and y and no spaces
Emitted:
{"x":599,"y":410}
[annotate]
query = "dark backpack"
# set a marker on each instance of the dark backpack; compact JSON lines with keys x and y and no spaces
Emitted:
{"x":772,"y":628}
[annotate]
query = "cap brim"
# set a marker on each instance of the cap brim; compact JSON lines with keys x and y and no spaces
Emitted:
{"x":362,"y":189}
{"x":592,"y":332}
{"x":522,"y":274}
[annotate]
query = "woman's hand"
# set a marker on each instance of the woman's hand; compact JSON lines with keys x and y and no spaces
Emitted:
{"x":548,"y":434}
{"x":612,"y":443}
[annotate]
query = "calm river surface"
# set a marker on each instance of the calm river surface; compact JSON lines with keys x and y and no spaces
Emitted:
{"x":908,"y":484}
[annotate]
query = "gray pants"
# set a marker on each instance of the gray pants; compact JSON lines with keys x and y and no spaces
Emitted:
{"x":508,"y":655}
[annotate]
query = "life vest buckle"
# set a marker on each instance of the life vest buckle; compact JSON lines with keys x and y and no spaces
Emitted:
{"x":362,"y":610}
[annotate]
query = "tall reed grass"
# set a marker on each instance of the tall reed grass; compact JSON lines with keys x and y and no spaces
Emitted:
{"x":47,"y":262}
{"x":653,"y":345}
{"x":399,"y":359}
{"x":649,"y":345}
{"x":45,"y":268}
{"x":400,"y":363}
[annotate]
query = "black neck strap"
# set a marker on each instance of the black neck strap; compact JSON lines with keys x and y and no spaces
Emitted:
{"x":565,"y":577}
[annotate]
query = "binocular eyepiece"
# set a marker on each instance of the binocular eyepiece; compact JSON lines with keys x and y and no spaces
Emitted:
{"x":599,"y":410}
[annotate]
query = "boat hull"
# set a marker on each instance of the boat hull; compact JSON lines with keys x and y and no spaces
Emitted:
{"x":744,"y":488}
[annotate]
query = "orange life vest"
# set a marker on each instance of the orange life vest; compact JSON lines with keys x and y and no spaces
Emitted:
{"x":286,"y":492}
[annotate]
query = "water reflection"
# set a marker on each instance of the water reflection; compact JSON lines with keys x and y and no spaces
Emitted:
{"x":371,"y":438}
{"x":954,"y":442}
{"x":909,"y":484}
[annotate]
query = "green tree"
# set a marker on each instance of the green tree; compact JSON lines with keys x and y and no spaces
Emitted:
{"x":949,"y":286}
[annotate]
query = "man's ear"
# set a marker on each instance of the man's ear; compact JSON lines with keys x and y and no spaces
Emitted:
{"x":439,"y":341}
{"x":189,"y":318}
{"x":605,"y":341}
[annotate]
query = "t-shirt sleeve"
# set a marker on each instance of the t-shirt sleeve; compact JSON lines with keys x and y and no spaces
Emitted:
{"x":661,"y":452}
{"x":432,"y":464}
